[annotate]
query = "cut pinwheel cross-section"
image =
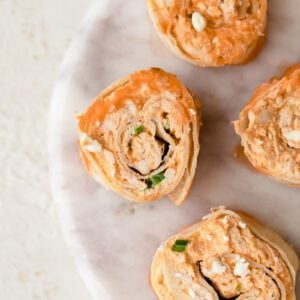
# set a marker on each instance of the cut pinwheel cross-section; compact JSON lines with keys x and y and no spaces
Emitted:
{"x":228,"y":255}
{"x":140,"y":137}
{"x":211,"y":32}
{"x":269,"y":127}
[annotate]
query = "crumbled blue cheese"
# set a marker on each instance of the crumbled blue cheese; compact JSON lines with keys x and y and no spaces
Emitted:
{"x":169,"y":175}
{"x":161,"y":247}
{"x":242,"y":225}
{"x":192,"y":293}
{"x":89,"y":144}
{"x":225,"y":220}
{"x":209,"y":237}
{"x":293,"y":135}
{"x":217,"y":267}
{"x":198,"y":21}
{"x":241,"y":267}
{"x":193,"y":112}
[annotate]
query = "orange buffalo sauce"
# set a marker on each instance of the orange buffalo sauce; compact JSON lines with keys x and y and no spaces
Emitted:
{"x":291,"y":69}
{"x":115,"y":97}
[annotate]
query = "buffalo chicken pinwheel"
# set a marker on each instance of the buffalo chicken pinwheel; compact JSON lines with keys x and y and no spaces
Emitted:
{"x":211,"y":32}
{"x":140,"y":137}
{"x":227,"y":255}
{"x":269,"y":127}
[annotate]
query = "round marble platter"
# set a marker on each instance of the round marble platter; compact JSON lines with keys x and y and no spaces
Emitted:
{"x":113,"y":240}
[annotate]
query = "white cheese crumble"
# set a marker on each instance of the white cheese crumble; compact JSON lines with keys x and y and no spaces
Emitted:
{"x":192,"y":293}
{"x":161,"y":247}
{"x":241,"y":267}
{"x":198,"y":21}
{"x":169,"y":175}
{"x":178,"y":275}
{"x":293,"y":135}
{"x":242,"y":225}
{"x":89,"y":144}
{"x":166,"y":124}
{"x":217,"y":267}
{"x":209,"y":237}
{"x":225,"y":220}
{"x":215,"y":40}
{"x":226,"y":238}
{"x":193,"y":112}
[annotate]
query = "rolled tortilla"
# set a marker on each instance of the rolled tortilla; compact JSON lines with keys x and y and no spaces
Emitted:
{"x":269,"y":127}
{"x":140,"y":137}
{"x":228,"y":255}
{"x":211,"y":32}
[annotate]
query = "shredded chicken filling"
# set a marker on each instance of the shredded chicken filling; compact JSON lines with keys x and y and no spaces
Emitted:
{"x":241,"y":267}
{"x":147,"y":151}
{"x":271,"y":132}
{"x":233,"y":27}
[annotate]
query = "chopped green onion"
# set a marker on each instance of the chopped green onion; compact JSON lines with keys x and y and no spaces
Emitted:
{"x":182,"y":242}
{"x":138,"y":129}
{"x":179,"y":245}
{"x":155,"y":180}
{"x":238,"y":287}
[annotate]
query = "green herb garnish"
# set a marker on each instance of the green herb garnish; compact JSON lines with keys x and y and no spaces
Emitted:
{"x":179,"y":245}
{"x":138,"y":129}
{"x":238,"y":287}
{"x":155,"y":180}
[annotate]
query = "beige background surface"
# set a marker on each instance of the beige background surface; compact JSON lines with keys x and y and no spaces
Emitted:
{"x":34,"y":261}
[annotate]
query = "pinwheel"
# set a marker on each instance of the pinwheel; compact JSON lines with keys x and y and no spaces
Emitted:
{"x":227,"y":255}
{"x":140,"y":137}
{"x":211,"y":32}
{"x":269,"y":127}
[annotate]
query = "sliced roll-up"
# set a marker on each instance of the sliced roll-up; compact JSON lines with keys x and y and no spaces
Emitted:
{"x":211,"y":32}
{"x":227,"y":255}
{"x":140,"y":137}
{"x":269,"y":127}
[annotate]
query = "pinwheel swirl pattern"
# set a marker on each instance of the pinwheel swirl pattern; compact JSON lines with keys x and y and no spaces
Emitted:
{"x":269,"y":127}
{"x":140,"y":137}
{"x":211,"y":32}
{"x":227,"y":255}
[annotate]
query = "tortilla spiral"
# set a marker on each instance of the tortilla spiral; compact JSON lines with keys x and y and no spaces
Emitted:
{"x":211,"y":32}
{"x":227,"y":255}
{"x":269,"y":127}
{"x":140,"y":137}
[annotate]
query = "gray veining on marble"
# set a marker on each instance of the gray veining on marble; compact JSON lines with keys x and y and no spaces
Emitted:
{"x":113,"y":241}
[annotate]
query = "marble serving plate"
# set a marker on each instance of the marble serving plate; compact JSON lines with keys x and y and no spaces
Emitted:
{"x":113,"y":240}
